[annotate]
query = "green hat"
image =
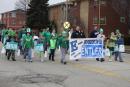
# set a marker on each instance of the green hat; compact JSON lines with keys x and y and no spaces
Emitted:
{"x":101,"y":30}
{"x":28,"y":30}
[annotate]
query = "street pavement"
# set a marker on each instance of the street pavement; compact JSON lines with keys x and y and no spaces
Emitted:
{"x":82,"y":73}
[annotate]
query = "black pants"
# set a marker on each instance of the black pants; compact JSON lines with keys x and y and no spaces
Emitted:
{"x":11,"y":53}
{"x":52,"y":54}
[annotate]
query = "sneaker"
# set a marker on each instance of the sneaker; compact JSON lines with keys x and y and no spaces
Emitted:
{"x":110,"y":60}
{"x":97,"y":59}
{"x":42,"y":60}
{"x":65,"y":63}
{"x":102,"y":60}
{"x":121,"y":61}
{"x":77,"y":60}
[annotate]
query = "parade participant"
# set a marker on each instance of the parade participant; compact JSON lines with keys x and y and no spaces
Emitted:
{"x":82,"y":35}
{"x":94,"y":33}
{"x":77,"y":34}
{"x":120,"y":41}
{"x":28,"y":45}
{"x":54,"y":33}
{"x":52,"y":47}
{"x":102,"y":36}
{"x":64,"y":45}
{"x":47,"y":35}
{"x":10,"y":52}
{"x":110,"y":44}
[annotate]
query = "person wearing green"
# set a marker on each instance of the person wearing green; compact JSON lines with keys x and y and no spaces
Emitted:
{"x":53,"y":44}
{"x":11,"y":32}
{"x":110,"y":44}
{"x":46,"y":35}
{"x":4,"y":35}
{"x":28,"y":45}
{"x":64,"y":45}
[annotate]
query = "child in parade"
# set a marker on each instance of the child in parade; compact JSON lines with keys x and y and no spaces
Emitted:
{"x":110,"y":44}
{"x":10,"y":52}
{"x":28,"y":45}
{"x":52,"y":47}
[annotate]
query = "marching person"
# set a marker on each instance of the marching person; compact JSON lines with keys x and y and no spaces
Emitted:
{"x":78,"y":33}
{"x":52,"y":47}
{"x":110,"y":44}
{"x":10,"y":52}
{"x":28,"y":45}
{"x":94,"y":33}
{"x":11,"y":38}
{"x":102,"y":36}
{"x":46,"y":35}
{"x":120,"y":41}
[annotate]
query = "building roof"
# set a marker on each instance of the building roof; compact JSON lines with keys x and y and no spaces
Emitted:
{"x":13,"y":11}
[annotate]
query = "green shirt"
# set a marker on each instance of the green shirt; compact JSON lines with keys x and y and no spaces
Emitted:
{"x":47,"y":36}
{"x":28,"y":42}
{"x":52,"y":43}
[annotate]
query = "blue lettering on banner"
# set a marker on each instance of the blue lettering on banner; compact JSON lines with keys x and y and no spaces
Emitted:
{"x":86,"y":48}
{"x":73,"y":46}
{"x":92,"y":51}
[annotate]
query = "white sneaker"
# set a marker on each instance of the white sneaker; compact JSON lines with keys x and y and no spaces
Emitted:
{"x":110,"y":60}
{"x":42,"y":60}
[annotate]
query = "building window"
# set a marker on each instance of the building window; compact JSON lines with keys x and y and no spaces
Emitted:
{"x":95,"y":20}
{"x":13,"y":14}
{"x":13,"y":22}
{"x":122,"y":19}
{"x":96,"y":2}
{"x":102,"y":21}
{"x":102,"y":2}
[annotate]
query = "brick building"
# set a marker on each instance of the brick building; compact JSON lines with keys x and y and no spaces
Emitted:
{"x":89,"y":13}
{"x":14,"y":19}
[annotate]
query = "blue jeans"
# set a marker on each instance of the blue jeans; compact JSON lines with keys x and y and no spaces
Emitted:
{"x":118,"y":54}
{"x":28,"y":54}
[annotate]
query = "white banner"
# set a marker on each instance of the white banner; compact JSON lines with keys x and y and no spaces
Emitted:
{"x":86,"y":48}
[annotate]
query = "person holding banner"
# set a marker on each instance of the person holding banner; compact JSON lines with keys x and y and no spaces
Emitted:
{"x":120,"y":46}
{"x":102,"y":36}
{"x":78,"y":33}
{"x":110,"y":44}
{"x":94,"y":33}
{"x":10,"y":51}
{"x":28,"y":45}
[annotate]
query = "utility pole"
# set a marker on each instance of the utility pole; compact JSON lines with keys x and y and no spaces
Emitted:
{"x":99,"y":7}
{"x":66,"y":15}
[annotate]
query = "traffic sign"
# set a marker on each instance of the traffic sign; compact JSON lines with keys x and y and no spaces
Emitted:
{"x":66,"y":25}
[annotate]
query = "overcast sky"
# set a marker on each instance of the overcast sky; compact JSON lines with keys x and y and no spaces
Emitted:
{"x":8,"y":5}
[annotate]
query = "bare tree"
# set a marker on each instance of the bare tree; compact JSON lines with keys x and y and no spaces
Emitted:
{"x":22,"y":4}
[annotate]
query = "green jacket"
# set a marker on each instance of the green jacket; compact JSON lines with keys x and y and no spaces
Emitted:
{"x":28,"y":42}
{"x":64,"y":42}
